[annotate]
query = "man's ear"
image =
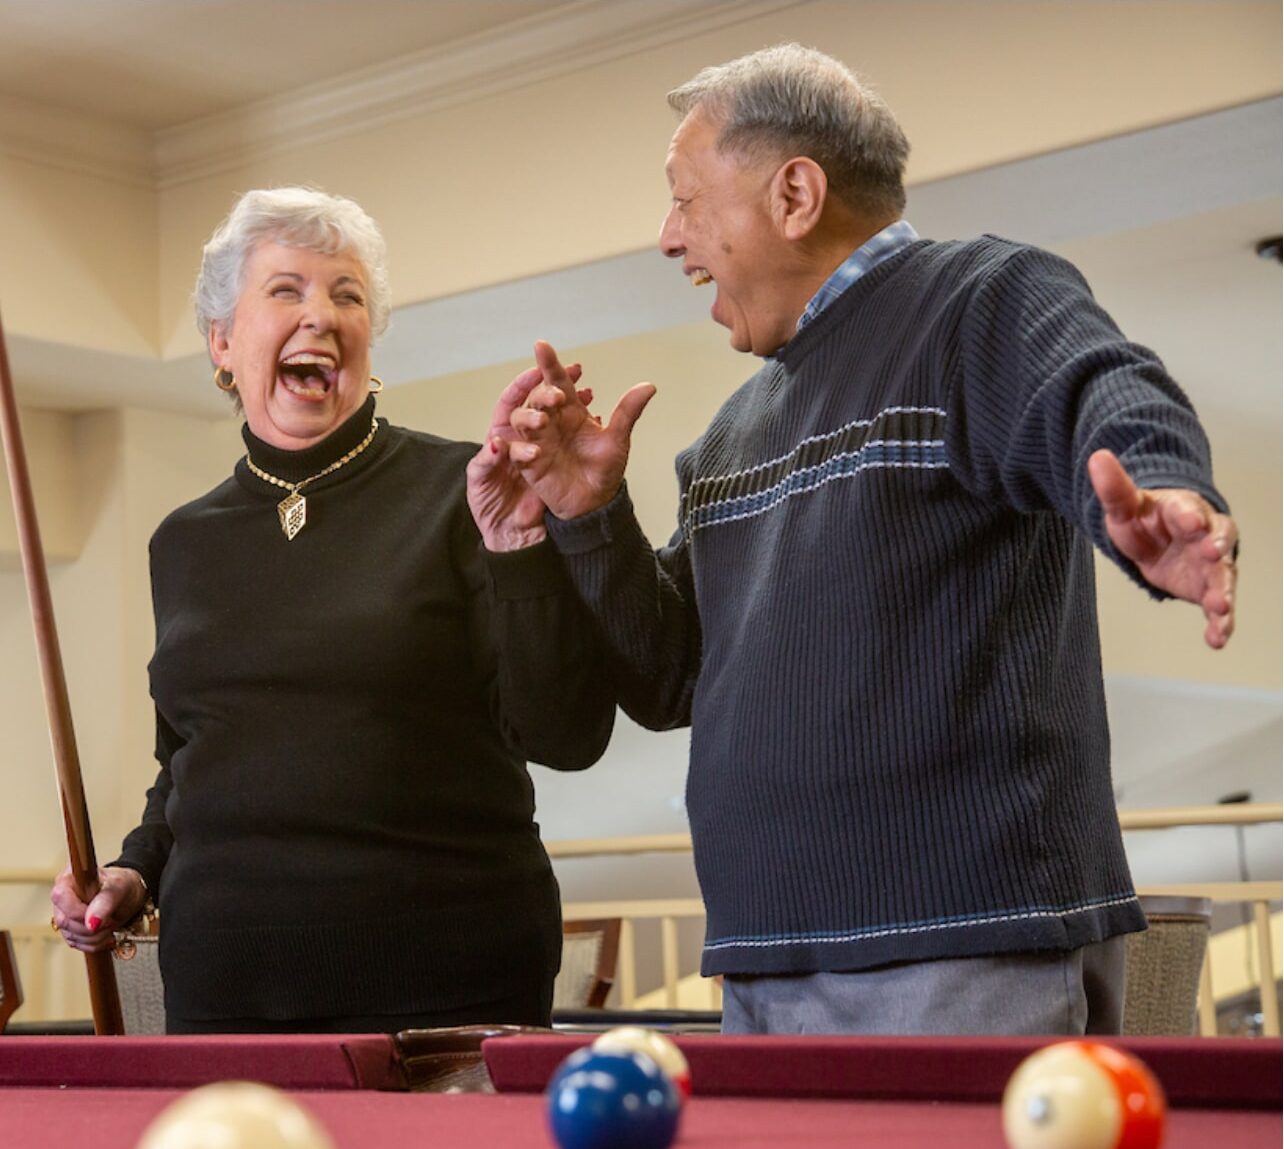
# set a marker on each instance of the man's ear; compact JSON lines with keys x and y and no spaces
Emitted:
{"x":798,"y":192}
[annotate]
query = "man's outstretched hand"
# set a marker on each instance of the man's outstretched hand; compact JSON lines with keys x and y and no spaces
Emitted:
{"x":1178,"y":541}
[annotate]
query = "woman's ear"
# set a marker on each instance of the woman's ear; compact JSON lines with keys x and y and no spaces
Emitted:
{"x":218,"y":343}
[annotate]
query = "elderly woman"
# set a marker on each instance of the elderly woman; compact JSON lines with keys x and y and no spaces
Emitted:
{"x":349,"y":678}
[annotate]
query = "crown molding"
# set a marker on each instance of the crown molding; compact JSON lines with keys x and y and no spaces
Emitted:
{"x":577,"y":35}
{"x":51,"y":137}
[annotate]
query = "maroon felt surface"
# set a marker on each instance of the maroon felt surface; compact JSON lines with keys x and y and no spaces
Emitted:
{"x":115,"y":1119}
{"x":795,"y":1092}
{"x":1195,"y":1072}
{"x":292,"y":1061}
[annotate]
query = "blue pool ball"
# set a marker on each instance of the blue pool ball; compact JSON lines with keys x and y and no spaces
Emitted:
{"x":612,"y":1101}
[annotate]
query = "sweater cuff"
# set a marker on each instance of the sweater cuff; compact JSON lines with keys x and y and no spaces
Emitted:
{"x":596,"y":529}
{"x":150,"y":874}
{"x":531,"y":572}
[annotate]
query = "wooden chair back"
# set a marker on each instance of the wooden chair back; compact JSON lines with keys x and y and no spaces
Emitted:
{"x":10,"y":983}
{"x":138,"y":979}
{"x":590,"y":950}
{"x":1163,"y":965}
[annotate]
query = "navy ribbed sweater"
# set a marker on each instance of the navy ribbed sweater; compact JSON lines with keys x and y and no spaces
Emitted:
{"x":878,"y":616}
{"x":343,"y":820}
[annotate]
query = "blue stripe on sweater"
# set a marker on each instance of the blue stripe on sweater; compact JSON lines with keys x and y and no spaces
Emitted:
{"x":908,"y":455}
{"x":897,"y":437}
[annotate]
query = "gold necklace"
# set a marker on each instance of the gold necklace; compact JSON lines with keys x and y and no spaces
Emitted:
{"x":293,"y":509}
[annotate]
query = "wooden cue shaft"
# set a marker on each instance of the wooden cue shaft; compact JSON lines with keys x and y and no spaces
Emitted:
{"x":103,"y":996}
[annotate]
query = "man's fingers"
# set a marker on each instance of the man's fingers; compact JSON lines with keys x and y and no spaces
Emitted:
{"x":522,"y":452}
{"x":546,"y":397}
{"x":631,"y":405}
{"x":554,"y":373}
{"x":1220,"y":627}
{"x":1117,"y":493}
{"x":526,"y":419}
{"x":1186,"y":516}
{"x":1223,"y":535}
{"x":1219,"y":598}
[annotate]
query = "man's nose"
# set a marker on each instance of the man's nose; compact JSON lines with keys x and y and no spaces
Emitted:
{"x":670,"y":235}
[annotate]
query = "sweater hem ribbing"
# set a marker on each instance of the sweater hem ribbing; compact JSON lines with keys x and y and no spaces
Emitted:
{"x":1027,"y":931}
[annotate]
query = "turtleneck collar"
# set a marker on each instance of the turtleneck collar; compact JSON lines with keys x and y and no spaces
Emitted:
{"x":294,"y":466}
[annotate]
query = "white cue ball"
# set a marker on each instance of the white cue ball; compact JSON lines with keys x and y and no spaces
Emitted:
{"x":235,"y":1115}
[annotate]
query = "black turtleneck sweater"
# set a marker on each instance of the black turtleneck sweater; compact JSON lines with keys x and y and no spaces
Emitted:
{"x":343,"y":819}
{"x":878,"y":616}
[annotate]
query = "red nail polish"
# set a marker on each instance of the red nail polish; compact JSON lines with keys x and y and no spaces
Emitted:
{"x":494,"y":447}
{"x":93,"y":923}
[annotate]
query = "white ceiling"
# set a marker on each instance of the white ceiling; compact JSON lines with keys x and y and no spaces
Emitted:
{"x":155,"y":64}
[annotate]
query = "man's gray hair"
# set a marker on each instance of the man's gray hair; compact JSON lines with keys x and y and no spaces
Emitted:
{"x":790,"y":100}
{"x":296,"y":217}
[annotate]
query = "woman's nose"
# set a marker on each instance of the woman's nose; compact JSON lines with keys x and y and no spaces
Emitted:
{"x":318,"y":314}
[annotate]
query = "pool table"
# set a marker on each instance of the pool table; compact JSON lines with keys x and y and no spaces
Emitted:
{"x":777,"y":1092}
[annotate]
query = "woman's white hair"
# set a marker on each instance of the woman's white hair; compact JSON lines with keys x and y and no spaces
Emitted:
{"x":296,"y":217}
{"x":790,"y":100}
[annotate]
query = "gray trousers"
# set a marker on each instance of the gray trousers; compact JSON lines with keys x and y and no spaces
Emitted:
{"x":1075,"y":993}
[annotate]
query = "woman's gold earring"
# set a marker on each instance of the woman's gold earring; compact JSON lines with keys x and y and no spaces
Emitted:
{"x":224,"y":380}
{"x":376,"y":384}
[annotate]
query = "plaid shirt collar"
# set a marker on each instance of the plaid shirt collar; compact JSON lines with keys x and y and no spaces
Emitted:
{"x":865,"y":258}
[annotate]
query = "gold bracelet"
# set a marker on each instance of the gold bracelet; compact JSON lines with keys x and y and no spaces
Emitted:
{"x":142,"y":924}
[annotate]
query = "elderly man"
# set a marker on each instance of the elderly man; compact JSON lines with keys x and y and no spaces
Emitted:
{"x":878,"y":612}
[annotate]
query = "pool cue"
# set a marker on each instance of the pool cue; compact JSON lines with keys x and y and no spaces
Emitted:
{"x":103,"y":996}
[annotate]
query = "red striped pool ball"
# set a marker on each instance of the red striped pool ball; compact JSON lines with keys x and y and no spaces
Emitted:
{"x":1083,"y":1095}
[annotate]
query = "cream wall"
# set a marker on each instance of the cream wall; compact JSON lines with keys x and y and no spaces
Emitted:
{"x":78,"y":258}
{"x":50,"y":452}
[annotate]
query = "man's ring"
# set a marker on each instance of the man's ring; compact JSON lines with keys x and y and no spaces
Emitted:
{"x":53,"y":925}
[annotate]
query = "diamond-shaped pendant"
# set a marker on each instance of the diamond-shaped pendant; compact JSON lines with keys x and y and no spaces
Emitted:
{"x":293,"y":511}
